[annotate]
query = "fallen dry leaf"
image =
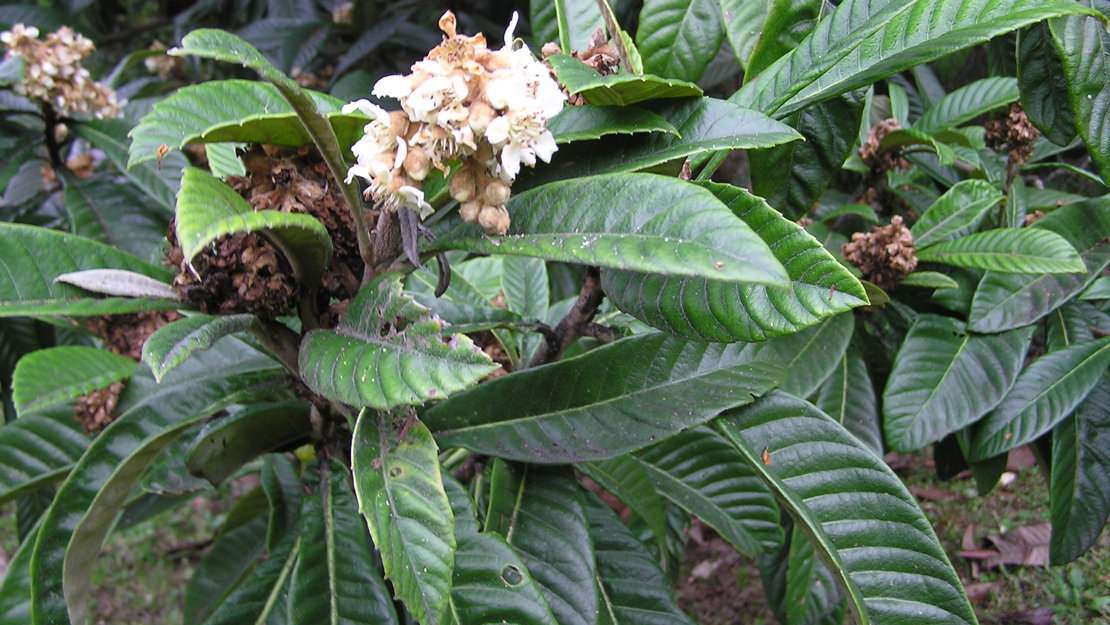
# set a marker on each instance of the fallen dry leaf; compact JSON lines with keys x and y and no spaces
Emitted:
{"x":1022,"y":546}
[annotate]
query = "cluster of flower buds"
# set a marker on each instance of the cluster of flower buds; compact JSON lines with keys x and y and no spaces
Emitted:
{"x":483,"y":111}
{"x":54,"y":73}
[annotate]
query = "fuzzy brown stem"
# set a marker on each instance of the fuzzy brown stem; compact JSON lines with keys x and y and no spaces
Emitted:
{"x":577,"y":322}
{"x":615,"y":34}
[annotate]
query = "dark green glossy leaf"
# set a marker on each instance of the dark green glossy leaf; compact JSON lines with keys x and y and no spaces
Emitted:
{"x":1084,"y":47}
{"x":1046,"y":392}
{"x":678,"y":38}
{"x":709,"y":310}
{"x":604,"y":403}
{"x":335,"y":580}
{"x":848,"y":396}
{"x":1007,"y":250}
{"x":626,"y":479}
{"x":967,"y":103}
{"x":1005,"y":301}
{"x":579,"y":123}
{"x":116,"y":213}
{"x":616,"y":89}
{"x":793,"y":176}
{"x":929,"y":280}
{"x":1080,"y":485}
{"x":366,"y":361}
{"x":175,"y":342}
{"x":957,"y":212}
{"x":1098,"y":290}
{"x":855,"y":510}
{"x":54,"y":375}
{"x":230,"y":110}
{"x":88,"y":502}
{"x":808,"y":357}
{"x":259,"y":598}
{"x":865,"y":40}
{"x":281,"y":483}
{"x":603,"y":220}
{"x":706,"y":477}
{"x":946,"y":378}
{"x":32,"y":257}
{"x":400,"y":492}
{"x":491,"y":581}
{"x":799,"y":586}
{"x":226,"y":444}
{"x":15,"y":588}
{"x":208,"y":209}
{"x":569,"y":22}
{"x":742,"y":21}
{"x":704,"y":125}
{"x":632,"y":590}
{"x":1069,"y":324}
{"x":1044,"y":85}
{"x":157,"y":181}
{"x":539,"y":512}
{"x":785,"y":25}
{"x":228,"y":564}
{"x":37,"y":451}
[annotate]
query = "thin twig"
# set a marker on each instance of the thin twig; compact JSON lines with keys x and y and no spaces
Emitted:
{"x":576,"y":323}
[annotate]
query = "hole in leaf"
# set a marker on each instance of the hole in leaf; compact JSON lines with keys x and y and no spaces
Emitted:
{"x":511,"y":575}
{"x":395,"y":471}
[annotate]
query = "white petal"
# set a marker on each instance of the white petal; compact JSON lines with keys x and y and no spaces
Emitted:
{"x":358,"y":170}
{"x":510,"y":29}
{"x":545,"y":146}
{"x":498,"y":130}
{"x":395,"y":86}
{"x":506,"y":91}
{"x":510,"y":161}
{"x":402,"y":152}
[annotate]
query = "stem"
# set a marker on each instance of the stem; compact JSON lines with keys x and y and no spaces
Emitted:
{"x":576,"y":323}
{"x":615,"y":34}
{"x":280,"y":341}
{"x":53,"y":148}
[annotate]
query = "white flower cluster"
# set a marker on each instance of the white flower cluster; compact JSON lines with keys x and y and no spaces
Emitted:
{"x":54,"y":73}
{"x":464,"y":104}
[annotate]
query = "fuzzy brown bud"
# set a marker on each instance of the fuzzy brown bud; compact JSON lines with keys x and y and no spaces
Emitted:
{"x":481,"y":114}
{"x":494,"y":219}
{"x":469,"y":211}
{"x":497,"y":193}
{"x":417,"y":164}
{"x":462,"y":186}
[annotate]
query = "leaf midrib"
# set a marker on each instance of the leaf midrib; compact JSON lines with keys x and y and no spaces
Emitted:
{"x":615,"y":399}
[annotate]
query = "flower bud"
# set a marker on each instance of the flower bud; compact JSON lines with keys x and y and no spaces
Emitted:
{"x":481,"y":114}
{"x":494,"y":219}
{"x":469,"y":211}
{"x":497,"y":193}
{"x":462,"y":186}
{"x":417,"y":163}
{"x":398,"y":124}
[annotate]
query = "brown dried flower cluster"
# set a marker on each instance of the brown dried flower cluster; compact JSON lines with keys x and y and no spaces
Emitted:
{"x":239,"y":273}
{"x":1012,"y":133}
{"x":123,"y":335}
{"x":54,"y":73}
{"x":885,"y":255}
{"x":879,"y":159}
{"x":598,"y":54}
{"x":244,"y":272}
{"x":486,"y":110}
{"x":297,"y":180}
